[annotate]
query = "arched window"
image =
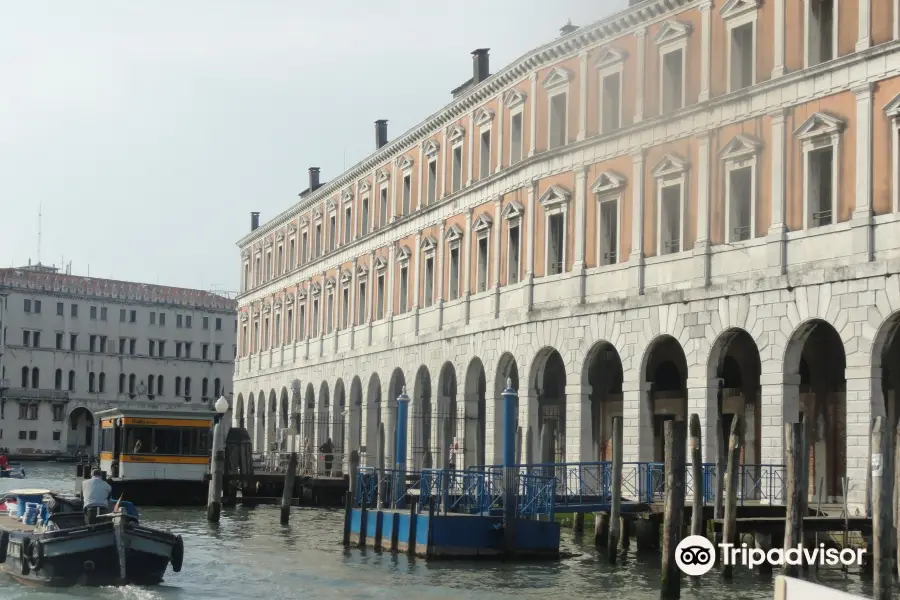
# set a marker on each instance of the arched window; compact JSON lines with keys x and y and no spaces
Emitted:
{"x":57,"y":380}
{"x":24,"y":377}
{"x":102,"y":383}
{"x":71,"y":381}
{"x":187,"y":387}
{"x":178,"y":386}
{"x":91,"y":382}
{"x":160,"y":388}
{"x":217,"y":388}
{"x":122,"y":383}
{"x":131,"y":384}
{"x":151,"y":380}
{"x":205,"y":387}
{"x":35,"y":378}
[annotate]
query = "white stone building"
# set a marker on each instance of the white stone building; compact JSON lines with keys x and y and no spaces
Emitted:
{"x":74,"y":345}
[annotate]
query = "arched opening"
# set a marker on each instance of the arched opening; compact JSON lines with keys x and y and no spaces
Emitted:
{"x":338,"y":425}
{"x":422,"y":455}
{"x":476,"y":419}
{"x":309,"y":420}
{"x":251,"y":419}
{"x":35,"y":378}
{"x":815,"y":360}
{"x":665,"y":374}
{"x":238,"y":411}
{"x":58,"y":380}
{"x":81,"y":431}
{"x":549,"y":384}
{"x":395,"y":388}
{"x":603,"y":375}
{"x":373,"y":418}
{"x":272,"y":422}
{"x":507,"y":370}
{"x":355,"y":417}
{"x":448,"y":436}
{"x":283,"y":420}
{"x":324,"y":419}
{"x":259,"y":441}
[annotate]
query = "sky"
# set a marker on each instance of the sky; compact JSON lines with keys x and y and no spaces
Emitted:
{"x":144,"y":133}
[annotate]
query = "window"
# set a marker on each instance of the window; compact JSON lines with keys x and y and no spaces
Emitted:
{"x":383,"y":208}
{"x":205,"y":323}
{"x":204,"y":351}
{"x":177,"y":349}
{"x":315,"y":318}
{"x":204,"y":387}
{"x":672,"y":89}
{"x":26,"y":338}
{"x":482,"y":263}
{"x":379,"y":308}
{"x":59,"y":309}
{"x":302,"y":322}
{"x":407,"y":193}
{"x":821,"y":31}
{"x":292,"y":252}
{"x":71,"y":381}
{"x":162,"y":348}
{"x":289,"y":329}
{"x":819,"y":183}
{"x":101,"y":381}
{"x":345,"y":308}
{"x":515,"y":138}
{"x":121,"y":383}
{"x":218,"y":323}
{"x":35,"y":378}
{"x":404,"y":288}
{"x":432,"y":181}
{"x":187,"y":322}
{"x":153,"y":318}
{"x":151,"y":385}
{"x":670,"y":219}
{"x":103,"y":313}
{"x":162,"y":319}
{"x":73,"y":341}
{"x":178,"y":386}
{"x":268,"y":265}
{"x":555,"y":202}
{"x":25,"y":376}
{"x":361,"y":303}
{"x":743,"y":56}
{"x":280,"y":265}
{"x":23,"y":435}
{"x":244,"y":347}
{"x":58,"y":413}
{"x":277,"y":333}
{"x":514,"y":252}
{"x":74,"y":310}
{"x":94,"y":312}
{"x":820,"y":137}
{"x":179,"y":321}
{"x":364,"y":220}
{"x":609,"y":231}
{"x":317,"y":250}
{"x":429,"y":281}
{"x":32,"y":435}
{"x":303,"y":248}
{"x":332,"y":232}
{"x":611,"y":102}
{"x":255,"y":336}
{"x":59,"y":341}
{"x":92,"y":343}
{"x":151,"y":347}
{"x":456,"y":183}
{"x":160,"y":387}
{"x":37,"y":306}
{"x":58,"y":380}
{"x":217,"y":387}
{"x":27,"y":305}
{"x":557,"y":127}
{"x":329,"y":313}
{"x":123,"y":314}
{"x":257,"y":272}
{"x":91,"y":386}
{"x":122,"y":345}
{"x":187,"y":349}
{"x":484,"y":154}
{"x":103,"y":344}
{"x":132,"y":346}
{"x":348,"y":225}
{"x":454,"y":273}
{"x":245,"y":283}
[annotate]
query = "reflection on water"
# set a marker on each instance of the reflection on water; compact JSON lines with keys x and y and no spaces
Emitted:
{"x":250,"y":555}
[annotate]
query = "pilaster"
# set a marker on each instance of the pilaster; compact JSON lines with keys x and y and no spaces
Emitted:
{"x":578,"y":266}
{"x":861,"y":222}
{"x":497,"y":228}
{"x":439,"y":273}
{"x":702,"y":245}
{"x":705,"y":49}
{"x":776,"y":238}
{"x":529,"y":240}
{"x":778,"y":38}
{"x":636,"y":260}
{"x":467,"y":253}
{"x":532,"y":110}
{"x":583,"y":95}
{"x":641,"y":35}
{"x":864,"y":39}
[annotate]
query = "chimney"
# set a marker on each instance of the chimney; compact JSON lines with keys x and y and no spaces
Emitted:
{"x":481,"y":69}
{"x":380,"y":133}
{"x":254,"y":221}
{"x":568,"y":28}
{"x":314,"y":179}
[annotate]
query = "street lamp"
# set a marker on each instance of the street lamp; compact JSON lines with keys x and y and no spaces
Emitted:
{"x":221,"y":407}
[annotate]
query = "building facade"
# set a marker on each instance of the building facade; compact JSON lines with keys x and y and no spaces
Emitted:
{"x":688,"y":207}
{"x":74,"y":345}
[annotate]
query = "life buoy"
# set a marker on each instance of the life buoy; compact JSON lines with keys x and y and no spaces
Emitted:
{"x":4,"y":543}
{"x":34,"y":553}
{"x":177,"y":554}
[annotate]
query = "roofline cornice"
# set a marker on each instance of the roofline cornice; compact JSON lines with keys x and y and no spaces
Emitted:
{"x":614,"y":26}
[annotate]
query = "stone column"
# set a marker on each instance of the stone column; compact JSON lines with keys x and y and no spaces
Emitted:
{"x":641,"y":35}
{"x":632,"y":406}
{"x":500,"y":119}
{"x":778,"y":39}
{"x":532,"y":102}
{"x":583,"y":96}
{"x":705,"y":49}
{"x":497,"y":229}
{"x":861,"y":221}
{"x":578,"y":266}
{"x":636,"y":259}
{"x":439,"y":273}
{"x":471,"y":153}
{"x":703,"y":243}
{"x":578,"y":423}
{"x":861,"y":407}
{"x":467,"y":263}
{"x":864,"y":39}
{"x":529,"y":240}
{"x":776,"y":238}
{"x":703,"y":400}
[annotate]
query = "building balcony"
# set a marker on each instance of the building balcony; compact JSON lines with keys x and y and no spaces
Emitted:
{"x":36,"y":394}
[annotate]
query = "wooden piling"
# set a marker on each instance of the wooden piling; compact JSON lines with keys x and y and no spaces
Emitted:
{"x":448,"y":475}
{"x":578,"y":523}
{"x":732,"y":483}
{"x":718,"y":511}
{"x":363,"y":521}
{"x":697,"y":475}
{"x":601,"y":529}
{"x":793,"y":526}
{"x":518,"y":445}
{"x":121,"y":542}
{"x":626,"y":525}
{"x":381,"y":484}
{"x":354,"y":472}
{"x":348,"y":512}
{"x":881,"y":508}
{"x":217,"y":467}
{"x":805,"y":537}
{"x":896,"y":490}
{"x":615,"y":503}
{"x":674,"y":507}
{"x":411,"y":533}
{"x":287,"y":494}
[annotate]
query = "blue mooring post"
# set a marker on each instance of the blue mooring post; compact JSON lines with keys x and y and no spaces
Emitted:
{"x":510,"y":501}
{"x":400,"y":451}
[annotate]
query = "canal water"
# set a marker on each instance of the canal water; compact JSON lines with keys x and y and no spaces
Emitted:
{"x":249,"y":555}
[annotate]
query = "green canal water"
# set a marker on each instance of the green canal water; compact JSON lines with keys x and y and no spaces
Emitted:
{"x":249,"y":555}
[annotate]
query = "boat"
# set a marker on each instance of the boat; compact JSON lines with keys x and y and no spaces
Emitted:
{"x":54,"y":546}
{"x":15,"y":471}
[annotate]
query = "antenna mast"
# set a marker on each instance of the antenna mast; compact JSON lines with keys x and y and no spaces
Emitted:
{"x":40,"y":232}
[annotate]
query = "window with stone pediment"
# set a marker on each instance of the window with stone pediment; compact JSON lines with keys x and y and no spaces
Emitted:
{"x":383,"y":206}
{"x":556,"y":83}
{"x":514,"y":101}
{"x":892,"y":111}
{"x":820,"y":20}
{"x":431,"y":149}
{"x":556,"y":206}
{"x":610,"y":65}
{"x":484,"y":118}
{"x":671,"y":185}
{"x":453,"y":237}
{"x":403,"y":254}
{"x":671,"y":41}
{"x":380,"y":294}
{"x":740,"y":158}
{"x":429,"y":246}
{"x":607,"y":189}
{"x":405,"y":165}
{"x":455,"y":137}
{"x":512,"y":213}
{"x":820,"y":138}
{"x":740,"y":23}
{"x":481,"y":228}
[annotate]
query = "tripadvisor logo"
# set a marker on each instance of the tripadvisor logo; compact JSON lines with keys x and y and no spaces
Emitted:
{"x":695,"y":555}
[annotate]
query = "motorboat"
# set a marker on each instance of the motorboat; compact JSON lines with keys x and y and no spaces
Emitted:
{"x":46,"y":540}
{"x":14,"y":471}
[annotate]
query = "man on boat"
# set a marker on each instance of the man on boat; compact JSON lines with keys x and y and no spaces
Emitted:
{"x":95,"y":493}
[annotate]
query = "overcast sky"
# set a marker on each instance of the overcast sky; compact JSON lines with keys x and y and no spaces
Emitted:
{"x":147,"y":131}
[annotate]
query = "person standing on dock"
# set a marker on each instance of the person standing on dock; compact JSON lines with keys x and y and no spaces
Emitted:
{"x":328,"y":450}
{"x":95,"y":494}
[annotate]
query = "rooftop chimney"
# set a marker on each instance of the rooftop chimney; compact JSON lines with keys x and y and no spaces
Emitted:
{"x":254,"y":221}
{"x":569,"y":28}
{"x":380,"y":133}
{"x":480,"y":65}
{"x":314,"y":179}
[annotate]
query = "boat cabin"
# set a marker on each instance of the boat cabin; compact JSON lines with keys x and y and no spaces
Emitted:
{"x":143,"y":444}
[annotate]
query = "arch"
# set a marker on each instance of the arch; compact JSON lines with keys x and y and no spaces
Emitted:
{"x":339,"y":421}
{"x":354,"y":433}
{"x":259,"y":436}
{"x":664,"y":375}
{"x":271,"y":420}
{"x":475,"y":429}
{"x":548,"y":383}
{"x":238,"y":413}
{"x":324,"y":416}
{"x":251,"y":417}
{"x":507,"y":369}
{"x":309,"y":416}
{"x":421,"y":451}
{"x":817,"y":349}
{"x":373,"y":416}
{"x":447,"y":434}
{"x":80,"y":431}
{"x":603,"y":375}
{"x":283,"y":418}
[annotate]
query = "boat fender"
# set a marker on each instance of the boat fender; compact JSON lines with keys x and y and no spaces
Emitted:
{"x":4,"y":544}
{"x":177,"y":554}
{"x":34,"y":551}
